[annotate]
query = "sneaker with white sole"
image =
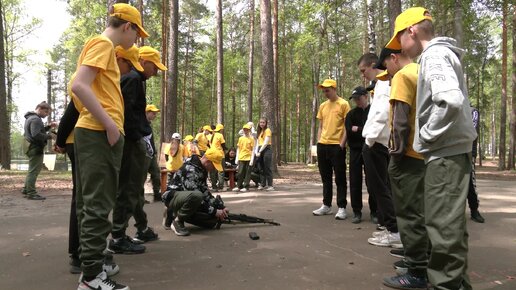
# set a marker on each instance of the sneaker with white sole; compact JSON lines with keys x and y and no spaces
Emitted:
{"x":101,"y":282}
{"x":379,"y":233}
{"x":389,"y":239}
{"x":323,"y":210}
{"x":260,"y":187}
{"x":236,"y":189}
{"x":341,"y":214}
{"x":244,"y":190}
{"x":270,"y":188}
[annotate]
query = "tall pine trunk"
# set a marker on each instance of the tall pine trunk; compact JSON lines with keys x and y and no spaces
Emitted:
{"x":394,"y":7}
{"x":220,"y":68}
{"x":503,"y":105}
{"x":164,"y":53}
{"x":512,"y":149}
{"x":276,"y":137}
{"x":5,"y":132}
{"x":250,"y":66}
{"x":267,"y":90}
{"x":169,"y":119}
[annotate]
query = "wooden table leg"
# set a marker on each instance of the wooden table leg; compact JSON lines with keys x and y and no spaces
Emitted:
{"x":164,"y":174}
{"x":231,"y":180}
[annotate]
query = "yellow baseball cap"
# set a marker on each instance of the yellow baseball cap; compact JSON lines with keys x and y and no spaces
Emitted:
{"x":188,"y":138}
{"x":215,"y":156}
{"x":383,"y":76}
{"x":151,"y":108}
{"x":150,"y":54}
{"x":406,"y":19}
{"x":206,"y":127}
{"x":219,"y":127}
{"x":246,"y":126}
{"x":131,"y":55}
{"x":129,"y":13}
{"x":328,"y":83}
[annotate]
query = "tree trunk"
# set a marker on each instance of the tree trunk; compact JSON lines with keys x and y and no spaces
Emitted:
{"x":185,"y":76}
{"x":193,"y":130}
{"x":141,"y":40}
{"x":276,"y":137}
{"x":394,"y":7}
{"x":233,"y":109}
{"x":512,"y":149}
{"x":365,"y":17}
{"x":267,"y":90}
{"x":220,"y":69}
{"x":251,"y":63}
{"x":49,"y":102}
{"x":5,"y":132}
{"x":372,"y":31}
{"x":164,"y":53}
{"x":457,"y":24}
{"x":298,"y":112}
{"x":169,"y":119}
{"x":503,"y":105}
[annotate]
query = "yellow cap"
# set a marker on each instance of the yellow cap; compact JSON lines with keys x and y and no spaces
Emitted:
{"x":151,"y":108}
{"x":219,"y":127}
{"x":129,"y":13}
{"x":150,"y":54}
{"x":383,"y":76}
{"x":206,"y":127}
{"x":188,"y":138}
{"x":328,"y":83}
{"x":246,"y":126}
{"x":406,"y":19}
{"x":215,"y":156}
{"x":131,"y":55}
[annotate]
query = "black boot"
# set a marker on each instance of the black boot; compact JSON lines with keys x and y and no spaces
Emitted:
{"x":476,"y":217}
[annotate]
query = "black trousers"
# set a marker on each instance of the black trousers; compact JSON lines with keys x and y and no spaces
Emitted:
{"x":356,"y":164}
{"x":73,"y":230}
{"x":331,"y":158}
{"x":376,"y":161}
{"x":472,"y":193}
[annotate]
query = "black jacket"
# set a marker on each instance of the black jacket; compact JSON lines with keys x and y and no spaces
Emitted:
{"x":66,"y":125}
{"x":133,"y":91}
{"x":356,"y":117}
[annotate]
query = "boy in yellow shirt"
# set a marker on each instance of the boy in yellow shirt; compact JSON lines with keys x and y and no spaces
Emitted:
{"x":99,"y":138}
{"x":244,"y":155}
{"x":218,"y":142}
{"x":202,"y":139}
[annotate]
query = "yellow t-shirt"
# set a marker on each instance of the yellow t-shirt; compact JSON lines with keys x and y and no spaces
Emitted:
{"x":332,"y":116}
{"x":245,"y":148}
{"x":175,"y":162}
{"x":99,"y":52}
{"x":216,"y":141}
{"x":202,"y":141}
{"x":191,"y":149}
{"x":404,"y":88}
{"x":263,"y":134}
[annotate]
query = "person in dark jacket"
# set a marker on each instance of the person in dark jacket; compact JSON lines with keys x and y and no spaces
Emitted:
{"x":187,"y":192}
{"x":36,"y":134}
{"x":473,"y":193}
{"x":354,"y":123}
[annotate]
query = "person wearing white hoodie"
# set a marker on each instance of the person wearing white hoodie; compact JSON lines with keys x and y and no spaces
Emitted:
{"x":376,"y":155}
{"x":444,"y":134}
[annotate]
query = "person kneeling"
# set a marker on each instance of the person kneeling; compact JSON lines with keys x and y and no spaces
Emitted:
{"x":187,"y":192}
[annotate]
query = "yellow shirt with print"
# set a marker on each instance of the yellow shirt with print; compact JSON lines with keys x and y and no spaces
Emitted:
{"x":332,"y":116}
{"x":404,"y":88}
{"x":266,"y":133}
{"x":202,"y":141}
{"x":175,"y":162}
{"x":98,"y":52}
{"x":245,"y":148}
{"x":217,"y":140}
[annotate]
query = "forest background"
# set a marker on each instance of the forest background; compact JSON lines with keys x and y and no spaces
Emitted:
{"x":234,"y":61}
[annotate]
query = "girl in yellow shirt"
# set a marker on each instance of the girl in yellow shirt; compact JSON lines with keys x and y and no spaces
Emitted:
{"x":264,"y":154}
{"x":244,"y":155}
{"x":175,"y":153}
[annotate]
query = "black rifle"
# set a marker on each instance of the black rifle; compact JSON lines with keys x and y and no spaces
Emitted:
{"x":247,"y":219}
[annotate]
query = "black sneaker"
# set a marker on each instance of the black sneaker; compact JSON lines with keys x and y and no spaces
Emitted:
{"x":101,"y":282}
{"x":477,"y":217}
{"x":406,"y":281}
{"x":75,"y":265}
{"x":179,"y":228}
{"x":157,"y":197}
{"x":398,"y":253}
{"x":125,"y":246}
{"x":145,"y":236}
{"x":374,"y":218}
{"x":36,"y":197}
{"x":400,"y":264}
{"x":357,"y":218}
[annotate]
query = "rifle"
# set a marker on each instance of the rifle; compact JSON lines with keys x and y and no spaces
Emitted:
{"x":243,"y":218}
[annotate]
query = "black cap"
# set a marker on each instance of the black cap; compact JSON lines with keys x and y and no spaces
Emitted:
{"x":383,"y":55}
{"x":357,"y":92}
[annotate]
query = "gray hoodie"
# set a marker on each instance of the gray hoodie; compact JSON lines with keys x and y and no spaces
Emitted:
{"x":443,"y":115}
{"x":34,"y":130}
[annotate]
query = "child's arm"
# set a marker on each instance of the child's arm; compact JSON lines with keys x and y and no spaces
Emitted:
{"x":81,"y":87}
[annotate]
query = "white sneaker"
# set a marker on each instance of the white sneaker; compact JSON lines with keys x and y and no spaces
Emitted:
{"x":341,"y":214}
{"x":270,"y":188}
{"x":236,"y":189}
{"x":243,"y":190}
{"x":101,"y":282}
{"x":260,"y":187}
{"x":387,"y":240}
{"x":379,"y":233}
{"x":323,"y":210}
